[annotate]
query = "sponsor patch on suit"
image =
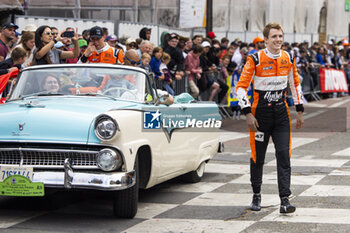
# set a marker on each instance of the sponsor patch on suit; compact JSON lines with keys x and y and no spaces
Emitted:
{"x":259,"y":136}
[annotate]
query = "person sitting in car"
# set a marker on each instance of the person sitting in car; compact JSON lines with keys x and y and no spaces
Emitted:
{"x":51,"y":84}
{"x":117,"y":85}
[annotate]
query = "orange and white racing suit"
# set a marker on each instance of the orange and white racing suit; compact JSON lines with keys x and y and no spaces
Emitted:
{"x":107,"y":54}
{"x":270,"y":75}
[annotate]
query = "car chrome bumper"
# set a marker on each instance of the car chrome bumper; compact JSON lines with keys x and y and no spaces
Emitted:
{"x":85,"y":180}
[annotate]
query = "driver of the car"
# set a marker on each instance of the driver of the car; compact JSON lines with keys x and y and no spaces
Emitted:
{"x":50,"y":83}
{"x":118,"y":85}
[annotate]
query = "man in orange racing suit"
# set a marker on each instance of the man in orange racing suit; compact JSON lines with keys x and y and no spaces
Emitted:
{"x":270,"y":70}
{"x":98,"y":51}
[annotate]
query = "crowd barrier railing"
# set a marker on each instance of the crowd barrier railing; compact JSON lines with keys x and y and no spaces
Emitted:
{"x":324,"y":80}
{"x":179,"y":86}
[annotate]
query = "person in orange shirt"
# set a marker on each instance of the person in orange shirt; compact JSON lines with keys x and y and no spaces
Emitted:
{"x":112,"y":41}
{"x":98,"y":51}
{"x":270,"y":70}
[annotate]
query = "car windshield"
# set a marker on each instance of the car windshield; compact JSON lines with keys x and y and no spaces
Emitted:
{"x":84,"y":80}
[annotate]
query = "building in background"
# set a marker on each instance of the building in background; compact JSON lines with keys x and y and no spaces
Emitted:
{"x":9,"y":8}
{"x":238,"y":16}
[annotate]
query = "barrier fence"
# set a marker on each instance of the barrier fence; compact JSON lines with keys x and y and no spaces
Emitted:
{"x":314,"y":82}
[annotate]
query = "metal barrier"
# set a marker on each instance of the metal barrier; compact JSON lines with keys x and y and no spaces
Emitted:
{"x":179,"y":86}
{"x":308,"y":85}
{"x":311,"y":84}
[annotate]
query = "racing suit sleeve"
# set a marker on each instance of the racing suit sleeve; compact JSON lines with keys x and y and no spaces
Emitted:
{"x":295,"y":88}
{"x":243,"y":84}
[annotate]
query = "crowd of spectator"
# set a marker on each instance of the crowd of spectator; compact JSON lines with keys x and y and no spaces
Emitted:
{"x":204,"y":62}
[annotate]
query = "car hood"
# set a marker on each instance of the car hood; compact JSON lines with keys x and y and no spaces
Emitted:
{"x":55,"y":119}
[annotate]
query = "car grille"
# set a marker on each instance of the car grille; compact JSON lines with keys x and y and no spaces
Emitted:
{"x":47,"y":158}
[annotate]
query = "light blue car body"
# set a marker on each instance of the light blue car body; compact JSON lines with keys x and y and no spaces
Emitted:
{"x":71,"y":119}
{"x":56,"y":119}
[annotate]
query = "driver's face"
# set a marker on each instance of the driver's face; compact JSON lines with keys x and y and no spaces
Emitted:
{"x":131,"y":78}
{"x":51,"y":84}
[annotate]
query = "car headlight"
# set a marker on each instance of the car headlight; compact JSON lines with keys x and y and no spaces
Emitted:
{"x":105,"y":127}
{"x":108,"y":160}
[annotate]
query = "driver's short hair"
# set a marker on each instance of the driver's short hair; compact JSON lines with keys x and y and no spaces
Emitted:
{"x":270,"y":26}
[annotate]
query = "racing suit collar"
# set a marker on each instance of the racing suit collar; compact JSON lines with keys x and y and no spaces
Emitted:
{"x":272,"y":56}
{"x":105,"y":48}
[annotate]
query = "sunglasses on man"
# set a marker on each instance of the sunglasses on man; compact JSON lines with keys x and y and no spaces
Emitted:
{"x":132,"y":62}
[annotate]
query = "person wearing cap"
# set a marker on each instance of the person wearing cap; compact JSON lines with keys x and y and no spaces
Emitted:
{"x":130,"y":43}
{"x":112,"y":41}
{"x":237,"y":57}
{"x":98,"y":51}
{"x":206,"y":81}
{"x":6,"y":37}
{"x":145,"y":33}
{"x":82,"y":45}
{"x":258,"y":44}
{"x":330,"y":53}
{"x":212,"y":56}
{"x":45,"y":51}
{"x":30,"y":28}
{"x":177,"y":62}
{"x":15,"y":39}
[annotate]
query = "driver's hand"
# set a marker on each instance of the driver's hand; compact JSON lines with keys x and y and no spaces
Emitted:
{"x":252,"y":122}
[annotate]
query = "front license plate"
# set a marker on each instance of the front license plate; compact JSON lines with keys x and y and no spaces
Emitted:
{"x":6,"y":171}
{"x":17,"y":185}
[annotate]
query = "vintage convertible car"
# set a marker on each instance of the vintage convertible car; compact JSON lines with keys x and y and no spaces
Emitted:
{"x":100,"y":127}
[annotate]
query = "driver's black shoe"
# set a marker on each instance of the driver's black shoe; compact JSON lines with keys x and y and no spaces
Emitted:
{"x":255,"y":206}
{"x":286,"y":207}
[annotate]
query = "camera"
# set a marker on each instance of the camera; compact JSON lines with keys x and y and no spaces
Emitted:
{"x":68,"y":34}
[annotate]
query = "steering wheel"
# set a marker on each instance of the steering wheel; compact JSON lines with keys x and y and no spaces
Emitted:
{"x":119,"y":91}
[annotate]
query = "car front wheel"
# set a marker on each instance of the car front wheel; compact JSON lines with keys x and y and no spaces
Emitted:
{"x":125,"y":201}
{"x":194,"y":176}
